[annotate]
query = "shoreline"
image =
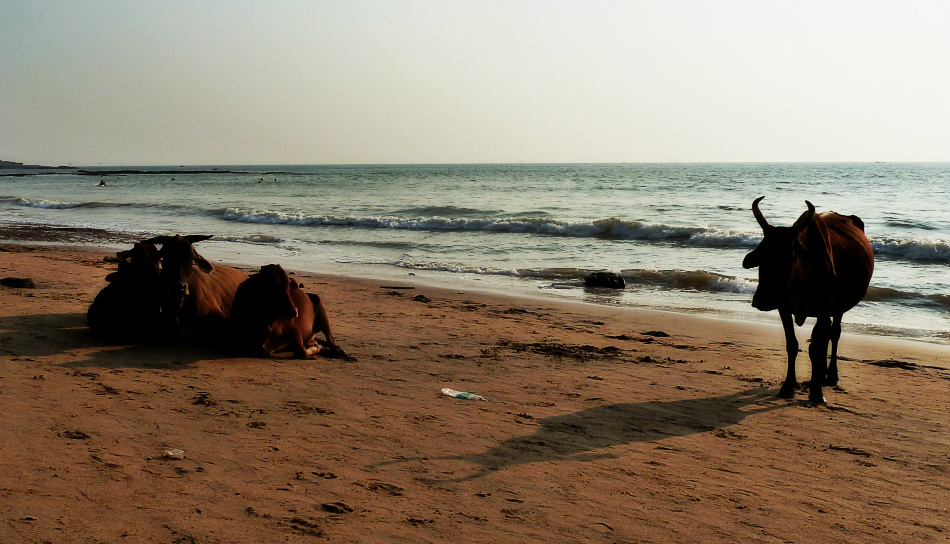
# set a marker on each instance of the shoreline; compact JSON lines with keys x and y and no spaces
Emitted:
{"x":96,"y":239}
{"x":938,"y":353}
{"x":600,"y":424}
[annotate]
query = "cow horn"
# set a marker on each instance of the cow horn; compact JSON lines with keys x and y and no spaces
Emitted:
{"x":806,"y":218}
{"x":758,"y":214}
{"x":195,"y":238}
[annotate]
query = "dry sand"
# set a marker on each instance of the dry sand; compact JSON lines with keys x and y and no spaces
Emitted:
{"x":601,"y":425}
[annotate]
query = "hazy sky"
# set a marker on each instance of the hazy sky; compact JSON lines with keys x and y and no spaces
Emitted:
{"x":444,"y":81}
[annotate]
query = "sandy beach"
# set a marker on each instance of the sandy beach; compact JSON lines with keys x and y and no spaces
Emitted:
{"x":600,"y":424}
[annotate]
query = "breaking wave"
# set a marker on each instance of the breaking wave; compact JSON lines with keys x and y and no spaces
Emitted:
{"x":690,"y":280}
{"x":256,"y":239}
{"x":887,"y":294}
{"x":680,"y":280}
{"x":65,"y":205}
{"x":610,"y":228}
{"x":40,"y":203}
{"x":442,"y":211}
{"x":926,"y":249}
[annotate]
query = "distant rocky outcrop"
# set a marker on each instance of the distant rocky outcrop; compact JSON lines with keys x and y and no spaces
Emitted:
{"x":10,"y":165}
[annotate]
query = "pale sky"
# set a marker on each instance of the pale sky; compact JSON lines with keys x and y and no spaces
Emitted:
{"x":389,"y":81}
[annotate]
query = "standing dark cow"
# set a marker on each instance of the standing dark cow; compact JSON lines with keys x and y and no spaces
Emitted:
{"x":819,"y":267}
{"x":127,"y":310}
{"x":197,"y":296}
{"x":272,"y":312}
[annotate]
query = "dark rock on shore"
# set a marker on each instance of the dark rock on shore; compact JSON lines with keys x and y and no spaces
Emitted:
{"x":19,"y":283}
{"x":604,"y":279}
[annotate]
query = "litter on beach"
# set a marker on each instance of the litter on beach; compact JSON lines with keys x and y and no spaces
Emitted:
{"x":461,"y":394}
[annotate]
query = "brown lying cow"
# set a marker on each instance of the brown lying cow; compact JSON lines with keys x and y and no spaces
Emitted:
{"x":272,"y":313}
{"x":819,"y":267}
{"x":196,"y":296}
{"x":128,"y":309}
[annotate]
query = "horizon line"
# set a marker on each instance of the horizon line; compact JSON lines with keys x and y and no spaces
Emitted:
{"x":487,"y":163}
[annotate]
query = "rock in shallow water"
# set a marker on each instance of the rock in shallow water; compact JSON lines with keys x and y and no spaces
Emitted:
{"x":604,"y":279}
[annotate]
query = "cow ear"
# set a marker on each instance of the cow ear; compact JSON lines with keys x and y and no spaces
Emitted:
{"x":799,"y":251}
{"x":818,"y":261}
{"x":822,"y":264}
{"x":810,"y":258}
{"x":203,"y":264}
{"x":294,"y":284}
{"x":751,"y":260}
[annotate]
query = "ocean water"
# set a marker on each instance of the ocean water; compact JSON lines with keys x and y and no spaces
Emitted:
{"x":676,"y":232}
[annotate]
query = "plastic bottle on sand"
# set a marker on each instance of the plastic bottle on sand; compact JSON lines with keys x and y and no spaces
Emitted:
{"x":461,"y":394}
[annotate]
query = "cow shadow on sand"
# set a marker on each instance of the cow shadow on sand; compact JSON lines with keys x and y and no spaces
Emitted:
{"x":583,"y":436}
{"x":47,"y":335}
{"x":38,"y":335}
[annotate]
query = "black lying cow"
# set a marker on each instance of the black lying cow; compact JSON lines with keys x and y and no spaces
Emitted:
{"x":127,"y":311}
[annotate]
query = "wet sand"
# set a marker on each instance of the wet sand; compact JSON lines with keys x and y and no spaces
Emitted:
{"x":600,"y":425}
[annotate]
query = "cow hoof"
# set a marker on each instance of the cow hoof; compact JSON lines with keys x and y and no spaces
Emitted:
{"x":816,"y":399}
{"x":333,"y":352}
{"x":788,"y":390}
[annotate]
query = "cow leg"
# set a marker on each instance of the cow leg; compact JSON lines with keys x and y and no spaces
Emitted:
{"x":791,"y":346}
{"x":321,"y":320}
{"x":300,"y":349}
{"x":818,"y":352}
{"x":321,"y":323}
{"x":312,"y":346}
{"x":831,"y":378}
{"x":272,"y":345}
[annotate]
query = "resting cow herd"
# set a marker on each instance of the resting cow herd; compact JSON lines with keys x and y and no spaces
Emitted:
{"x":819,"y":267}
{"x":173,"y":294}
